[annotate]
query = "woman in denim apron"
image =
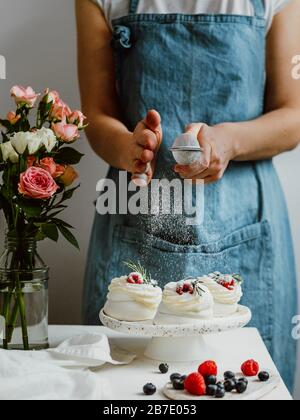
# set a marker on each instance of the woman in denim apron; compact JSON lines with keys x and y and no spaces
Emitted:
{"x":208,"y":69}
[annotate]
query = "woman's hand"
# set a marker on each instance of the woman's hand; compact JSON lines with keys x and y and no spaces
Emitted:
{"x":140,"y":153}
{"x":218,"y":151}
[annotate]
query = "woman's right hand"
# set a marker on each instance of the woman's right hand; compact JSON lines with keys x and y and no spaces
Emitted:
{"x":141,"y":151}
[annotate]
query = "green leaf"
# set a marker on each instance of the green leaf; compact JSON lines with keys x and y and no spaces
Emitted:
{"x":2,"y":203}
{"x":68,"y":194}
{"x":69,"y":236}
{"x":40,"y":236}
{"x":50,"y":231}
{"x":30,"y":208}
{"x":51,"y":216}
{"x":68,"y":155}
{"x":6,"y":124}
{"x":60,"y":222}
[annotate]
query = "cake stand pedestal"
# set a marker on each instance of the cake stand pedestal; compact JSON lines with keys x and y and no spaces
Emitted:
{"x":179,"y":343}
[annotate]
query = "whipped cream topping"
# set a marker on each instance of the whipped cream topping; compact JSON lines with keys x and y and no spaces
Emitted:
{"x":189,"y":304}
{"x":146,"y":294}
{"x":220,"y":293}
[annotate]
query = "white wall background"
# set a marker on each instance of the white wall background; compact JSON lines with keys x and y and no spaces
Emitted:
{"x":38,"y":40}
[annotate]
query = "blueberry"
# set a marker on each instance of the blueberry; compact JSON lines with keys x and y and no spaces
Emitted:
{"x":210,"y":380}
{"x":178,"y":384}
{"x":243,"y":380}
{"x":149,"y":389}
{"x":184,"y":377}
{"x":229,"y":385}
{"x":263,"y":376}
{"x":211,"y":390}
{"x":220,"y":385}
{"x":175,"y":376}
{"x":229,"y":375}
{"x":241,"y":387}
{"x":220,"y":392}
{"x":164,"y":368}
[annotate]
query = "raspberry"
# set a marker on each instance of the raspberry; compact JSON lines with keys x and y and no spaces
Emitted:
{"x":185,"y":288}
{"x":250,"y":368}
{"x":195,"y":384}
{"x":135,"y":278}
{"x":228,"y":285}
{"x":208,"y":368}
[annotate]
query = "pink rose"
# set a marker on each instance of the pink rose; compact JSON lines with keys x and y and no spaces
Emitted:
{"x":50,"y":166}
{"x":37,"y":183}
{"x":31,"y":161}
{"x":60,"y":170}
{"x":13,"y":118}
{"x":24,"y":96}
{"x":77,"y":118}
{"x":65,"y":132}
{"x":51,"y":96}
{"x":60,"y":110}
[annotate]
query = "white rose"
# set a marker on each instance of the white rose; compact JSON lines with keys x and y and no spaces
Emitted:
{"x":20,"y":141}
{"x":34,"y":142}
{"x":48,"y":138}
{"x":9,"y":153}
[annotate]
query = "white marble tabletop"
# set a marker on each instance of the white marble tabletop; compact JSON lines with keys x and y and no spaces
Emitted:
{"x":127,"y":382}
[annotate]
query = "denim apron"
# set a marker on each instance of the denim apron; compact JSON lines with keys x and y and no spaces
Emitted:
{"x":201,"y":68}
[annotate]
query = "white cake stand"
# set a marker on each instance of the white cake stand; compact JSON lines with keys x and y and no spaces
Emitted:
{"x":179,"y":343}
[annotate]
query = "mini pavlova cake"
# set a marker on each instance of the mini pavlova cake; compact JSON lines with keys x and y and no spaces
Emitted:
{"x":185,"y":302}
{"x":226,"y":290}
{"x":133,"y":298}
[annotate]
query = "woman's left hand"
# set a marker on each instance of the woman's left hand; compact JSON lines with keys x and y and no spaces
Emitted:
{"x":218,"y":151}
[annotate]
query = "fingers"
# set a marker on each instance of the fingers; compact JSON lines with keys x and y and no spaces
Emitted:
{"x":149,"y":131}
{"x":147,"y":139}
{"x":190,"y":171}
{"x":147,"y":156}
{"x":153,"y":120}
{"x":194,"y":128}
{"x":206,"y":146}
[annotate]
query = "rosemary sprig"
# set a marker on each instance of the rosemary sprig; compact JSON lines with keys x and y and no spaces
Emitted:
{"x":138,"y":268}
{"x":196,"y":285}
{"x":238,"y":278}
{"x":218,"y":276}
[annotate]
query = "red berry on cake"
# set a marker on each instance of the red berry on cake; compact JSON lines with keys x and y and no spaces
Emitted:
{"x":250,"y":368}
{"x":135,"y":278}
{"x":208,"y":368}
{"x":195,"y":384}
{"x":185,"y":288}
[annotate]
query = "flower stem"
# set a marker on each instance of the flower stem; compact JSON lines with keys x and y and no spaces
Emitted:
{"x":12,"y":322}
{"x":22,"y":309}
{"x":6,"y":308}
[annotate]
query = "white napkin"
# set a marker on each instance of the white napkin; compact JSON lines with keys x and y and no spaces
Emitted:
{"x":60,"y":374}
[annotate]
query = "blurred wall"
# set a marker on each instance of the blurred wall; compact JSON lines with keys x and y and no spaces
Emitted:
{"x":38,"y":40}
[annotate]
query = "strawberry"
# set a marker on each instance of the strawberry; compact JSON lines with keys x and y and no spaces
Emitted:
{"x":195,"y":384}
{"x":250,"y":368}
{"x":208,"y":368}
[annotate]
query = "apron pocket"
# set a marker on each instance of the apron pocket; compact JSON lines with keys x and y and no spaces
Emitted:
{"x":247,"y":251}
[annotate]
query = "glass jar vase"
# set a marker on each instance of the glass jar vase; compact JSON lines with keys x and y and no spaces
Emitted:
{"x":23,"y":296}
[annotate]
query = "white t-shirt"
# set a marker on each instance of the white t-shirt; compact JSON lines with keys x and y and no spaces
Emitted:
{"x":117,"y":8}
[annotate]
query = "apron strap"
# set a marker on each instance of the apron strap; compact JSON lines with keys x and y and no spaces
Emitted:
{"x":133,"y":6}
{"x":259,"y":8}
